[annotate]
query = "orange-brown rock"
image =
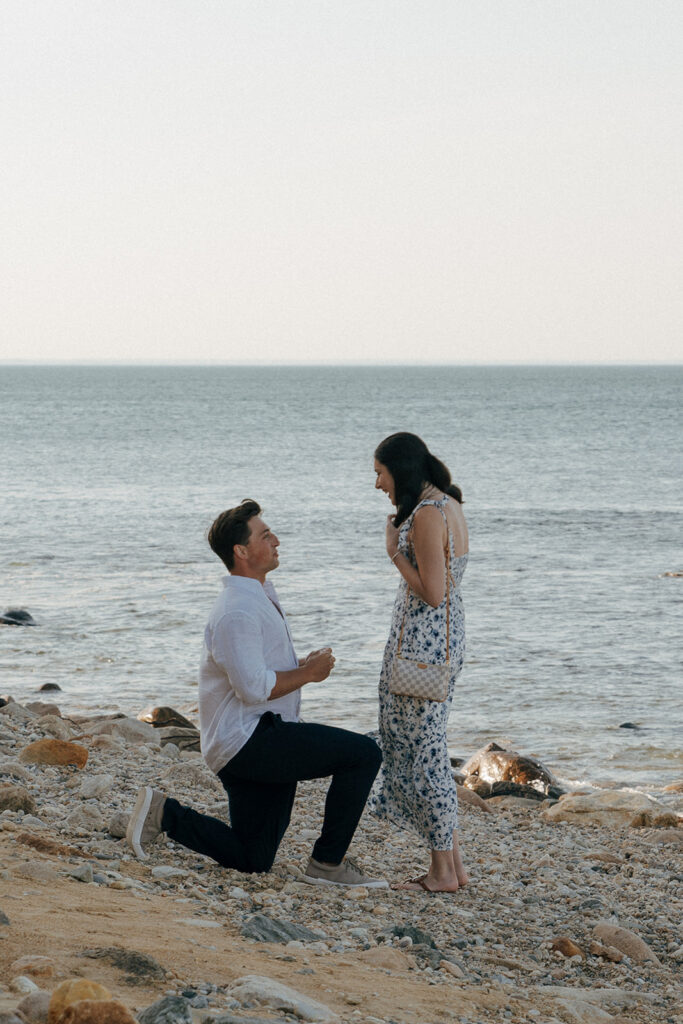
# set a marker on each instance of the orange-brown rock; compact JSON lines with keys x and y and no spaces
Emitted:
{"x":33,"y":966}
{"x":567,"y":947}
{"x":51,"y":751}
{"x":91,"y":1011}
{"x":74,"y":990}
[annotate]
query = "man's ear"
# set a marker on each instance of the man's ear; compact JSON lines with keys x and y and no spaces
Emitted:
{"x":239,"y":550}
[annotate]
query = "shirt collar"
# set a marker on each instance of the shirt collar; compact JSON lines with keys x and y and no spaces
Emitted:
{"x":247,"y":583}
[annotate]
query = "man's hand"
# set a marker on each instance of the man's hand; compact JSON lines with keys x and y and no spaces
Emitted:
{"x":318,"y":664}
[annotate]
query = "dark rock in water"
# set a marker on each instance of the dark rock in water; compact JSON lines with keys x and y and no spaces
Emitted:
{"x":162,"y":718}
{"x":17,"y":617}
{"x":266,"y":929}
{"x":5,"y":700}
{"x":515,"y":789}
{"x":629,"y":725}
{"x":457,"y":761}
{"x":49,"y":686}
{"x":493,"y":764}
{"x":168,"y":1010}
{"x":139,"y":967}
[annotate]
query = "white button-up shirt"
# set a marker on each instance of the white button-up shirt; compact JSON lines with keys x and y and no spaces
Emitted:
{"x":246,"y":642}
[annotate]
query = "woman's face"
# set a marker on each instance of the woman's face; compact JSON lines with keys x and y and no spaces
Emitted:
{"x":385,"y":481}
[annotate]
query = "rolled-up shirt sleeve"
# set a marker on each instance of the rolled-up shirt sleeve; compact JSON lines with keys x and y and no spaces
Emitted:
{"x":237,"y":646}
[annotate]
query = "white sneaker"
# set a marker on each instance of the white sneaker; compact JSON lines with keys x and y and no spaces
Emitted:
{"x":145,"y":821}
{"x":347,"y":873}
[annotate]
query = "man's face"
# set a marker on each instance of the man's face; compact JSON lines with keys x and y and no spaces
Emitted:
{"x":261,"y":548}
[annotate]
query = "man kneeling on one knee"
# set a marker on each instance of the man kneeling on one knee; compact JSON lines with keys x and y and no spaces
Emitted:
{"x":250,"y":682}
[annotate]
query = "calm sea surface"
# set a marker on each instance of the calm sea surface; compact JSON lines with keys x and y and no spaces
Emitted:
{"x":572,"y":477}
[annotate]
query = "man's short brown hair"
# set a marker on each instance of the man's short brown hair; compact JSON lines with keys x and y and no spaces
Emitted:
{"x":232,"y":527}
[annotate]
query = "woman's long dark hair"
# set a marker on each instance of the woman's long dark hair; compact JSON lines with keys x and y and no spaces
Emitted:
{"x":413,"y":466}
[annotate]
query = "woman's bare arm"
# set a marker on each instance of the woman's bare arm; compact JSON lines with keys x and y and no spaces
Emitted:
{"x":428,"y":579}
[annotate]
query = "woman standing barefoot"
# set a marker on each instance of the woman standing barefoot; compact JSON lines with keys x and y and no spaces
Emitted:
{"x":416,"y":788}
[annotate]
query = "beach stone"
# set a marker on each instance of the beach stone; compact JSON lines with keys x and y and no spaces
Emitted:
{"x":72,"y":991}
{"x":674,"y":787}
{"x":666,"y":836}
{"x":606,"y":952}
{"x":55,"y":726}
{"x":169,"y":1010}
{"x":85,"y":817}
{"x":34,"y":966}
{"x":22,"y":985}
{"x":4,"y":919}
{"x":266,"y":929}
{"x":387,"y":957}
{"x":34,"y":1007}
{"x":118,"y":823}
{"x":626,"y":941}
{"x":418,"y":937}
{"x":58,"y":752}
{"x":567,"y":947}
{"x":645,"y":819}
{"x":472,"y":799}
{"x":49,"y":687}
{"x":16,"y":798}
{"x":134,"y":732}
{"x":165,"y":717}
{"x":96,"y":786}
{"x":43,"y":709}
{"x":183,"y":739}
{"x":606,"y":807}
{"x":575,"y":1010}
{"x":10,"y":1017}
{"x":82,"y":873}
{"x":17,"y":712}
{"x":138,"y":966}
{"x":452,"y":968}
{"x":280,"y":997}
{"x":89,"y":1011}
{"x":39,"y":871}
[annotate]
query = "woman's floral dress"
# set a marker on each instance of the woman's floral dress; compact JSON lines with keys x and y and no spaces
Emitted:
{"x":415,"y":787}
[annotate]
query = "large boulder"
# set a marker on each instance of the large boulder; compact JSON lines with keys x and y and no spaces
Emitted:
{"x":72,"y":991}
{"x":59,"y":752}
{"x":17,"y":617}
{"x":604,"y":807}
{"x":163,"y":717}
{"x":495,"y":771}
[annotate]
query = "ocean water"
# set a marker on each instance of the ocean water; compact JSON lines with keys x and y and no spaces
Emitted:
{"x":110,"y":477}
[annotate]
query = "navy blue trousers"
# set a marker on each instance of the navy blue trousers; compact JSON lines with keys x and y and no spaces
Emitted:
{"x":261,"y":781}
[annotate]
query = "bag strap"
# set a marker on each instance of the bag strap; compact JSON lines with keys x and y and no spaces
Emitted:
{"x":448,"y":598}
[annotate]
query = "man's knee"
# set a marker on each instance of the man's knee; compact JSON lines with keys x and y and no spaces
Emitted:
{"x":373,"y":754}
{"x":259,"y":859}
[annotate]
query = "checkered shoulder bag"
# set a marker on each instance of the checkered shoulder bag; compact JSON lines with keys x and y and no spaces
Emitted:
{"x":418,"y":679}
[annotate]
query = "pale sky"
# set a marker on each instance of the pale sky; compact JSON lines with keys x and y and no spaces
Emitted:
{"x":437,"y":181}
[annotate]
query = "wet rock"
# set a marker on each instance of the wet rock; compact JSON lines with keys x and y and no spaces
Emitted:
{"x":266,"y":929}
{"x":280,"y":997}
{"x":674,"y":787}
{"x":472,"y":799}
{"x":495,"y":764}
{"x":16,"y":798}
{"x":56,"y":752}
{"x":42,"y":710}
{"x":626,"y":941}
{"x":71,"y":991}
{"x":165,"y":717}
{"x":17,"y":617}
{"x":49,"y":687}
{"x":138,"y":966}
{"x":169,"y":1010}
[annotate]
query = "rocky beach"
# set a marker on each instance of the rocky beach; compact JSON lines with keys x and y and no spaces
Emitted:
{"x":573,"y":912}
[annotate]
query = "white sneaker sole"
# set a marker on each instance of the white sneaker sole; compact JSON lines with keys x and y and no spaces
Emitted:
{"x":137,"y":821}
{"x":378,"y":883}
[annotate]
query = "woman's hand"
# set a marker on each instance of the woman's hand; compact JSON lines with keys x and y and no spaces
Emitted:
{"x":391,"y":537}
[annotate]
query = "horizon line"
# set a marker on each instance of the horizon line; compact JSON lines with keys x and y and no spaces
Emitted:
{"x":331,"y":365}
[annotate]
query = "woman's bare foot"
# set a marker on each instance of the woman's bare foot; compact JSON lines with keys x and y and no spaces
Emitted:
{"x":427,"y":883}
